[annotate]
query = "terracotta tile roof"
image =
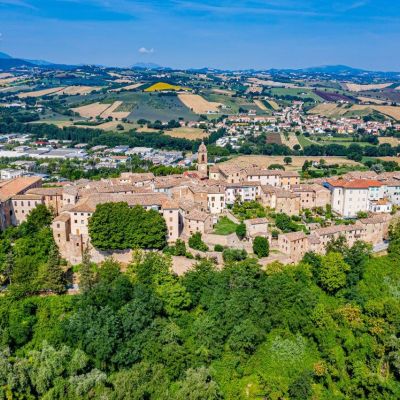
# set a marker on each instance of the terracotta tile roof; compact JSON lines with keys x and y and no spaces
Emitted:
{"x":242,"y":184}
{"x":27,"y":196}
{"x":17,"y":186}
{"x":257,"y":221}
{"x":354,"y":184}
{"x":89,"y":203}
{"x":294,"y":236}
{"x":376,"y":219}
{"x":197,"y":215}
{"x":64,"y":217}
{"x":47,"y":191}
{"x":331,"y":230}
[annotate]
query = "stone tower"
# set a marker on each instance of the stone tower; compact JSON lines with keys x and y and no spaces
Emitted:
{"x":202,"y":159}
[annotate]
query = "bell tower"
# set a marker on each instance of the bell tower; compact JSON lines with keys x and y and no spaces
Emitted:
{"x":202,"y":160}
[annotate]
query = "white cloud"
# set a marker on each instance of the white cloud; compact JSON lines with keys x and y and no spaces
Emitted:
{"x":144,"y":50}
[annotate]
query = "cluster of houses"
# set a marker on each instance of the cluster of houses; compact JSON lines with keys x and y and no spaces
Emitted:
{"x":194,"y":201}
{"x":293,"y":118}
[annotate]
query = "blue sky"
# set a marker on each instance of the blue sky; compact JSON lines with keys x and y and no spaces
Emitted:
{"x":191,"y":33}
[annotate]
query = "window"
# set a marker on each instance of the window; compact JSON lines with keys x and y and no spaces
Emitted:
{"x":76,"y":221}
{"x":29,"y":203}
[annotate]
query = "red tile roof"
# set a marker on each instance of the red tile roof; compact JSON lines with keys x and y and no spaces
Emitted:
{"x":355,"y":184}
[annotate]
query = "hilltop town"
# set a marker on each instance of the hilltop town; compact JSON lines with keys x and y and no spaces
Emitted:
{"x":199,"y":234}
{"x":357,"y":206}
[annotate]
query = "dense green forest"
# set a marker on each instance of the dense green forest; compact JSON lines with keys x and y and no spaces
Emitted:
{"x":327,"y":328}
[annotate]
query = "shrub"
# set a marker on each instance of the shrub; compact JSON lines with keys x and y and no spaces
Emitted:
{"x":241,"y":231}
{"x":261,"y":246}
{"x":195,"y":242}
{"x":231,"y":255}
{"x":219,"y":248}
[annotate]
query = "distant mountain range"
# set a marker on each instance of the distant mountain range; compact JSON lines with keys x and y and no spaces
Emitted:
{"x":149,"y":66}
{"x":7,"y":62}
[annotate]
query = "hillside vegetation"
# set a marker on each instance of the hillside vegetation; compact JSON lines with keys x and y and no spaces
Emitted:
{"x":327,"y":328}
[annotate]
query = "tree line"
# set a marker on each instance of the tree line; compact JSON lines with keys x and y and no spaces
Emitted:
{"x":325,"y":328}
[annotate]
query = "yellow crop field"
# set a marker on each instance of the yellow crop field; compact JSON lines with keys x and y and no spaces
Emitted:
{"x":274,"y":104}
{"x":40,"y":93}
{"x":198,"y":104}
{"x":355,"y":87}
{"x":260,"y":105}
{"x":163,"y":87}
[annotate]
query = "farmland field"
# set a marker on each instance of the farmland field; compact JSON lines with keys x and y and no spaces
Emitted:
{"x":290,"y":139}
{"x":187,"y":133}
{"x":298,"y":92}
{"x":265,"y":161}
{"x":370,"y":100}
{"x":7,"y":81}
{"x":354,"y":87}
{"x":154,"y":107}
{"x":39,"y":93}
{"x":328,"y":110}
{"x":161,"y":87}
{"x":198,"y":104}
{"x":128,"y":87}
{"x":273,"y":104}
{"x":233,"y":104}
{"x":91,"y":110}
{"x":75,"y":90}
{"x":272,"y":83}
{"x":388,"y":95}
{"x":274,"y":137}
{"x":390,"y":140}
{"x":260,"y":105}
{"x":332,"y":96}
{"x":332,"y":110}
{"x":112,"y":111}
{"x":223,"y":91}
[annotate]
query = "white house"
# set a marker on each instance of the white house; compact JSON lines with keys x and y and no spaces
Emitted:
{"x":350,"y":197}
